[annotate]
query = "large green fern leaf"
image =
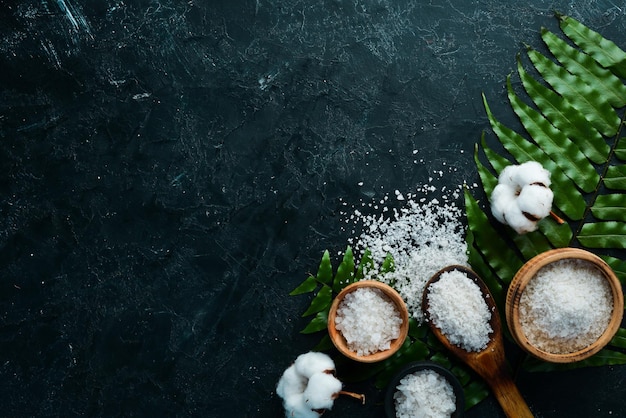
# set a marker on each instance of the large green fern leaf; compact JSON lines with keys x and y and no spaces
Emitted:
{"x":570,"y":113}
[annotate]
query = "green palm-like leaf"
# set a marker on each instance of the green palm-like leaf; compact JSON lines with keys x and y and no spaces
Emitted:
{"x":572,"y":126}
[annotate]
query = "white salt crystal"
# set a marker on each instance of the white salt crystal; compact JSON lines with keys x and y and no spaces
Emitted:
{"x":457,"y":307}
{"x":368,"y":320}
{"x":424,"y":394}
{"x":422,"y":237}
{"x":566,"y":306}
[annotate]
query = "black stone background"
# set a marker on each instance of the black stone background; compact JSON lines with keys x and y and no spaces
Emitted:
{"x":172,"y":169}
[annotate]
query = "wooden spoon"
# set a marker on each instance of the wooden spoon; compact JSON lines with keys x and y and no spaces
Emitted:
{"x":490,"y":363}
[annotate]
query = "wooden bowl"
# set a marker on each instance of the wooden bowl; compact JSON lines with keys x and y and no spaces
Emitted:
{"x":414,"y":367}
{"x":528,"y":272}
{"x":340,"y":342}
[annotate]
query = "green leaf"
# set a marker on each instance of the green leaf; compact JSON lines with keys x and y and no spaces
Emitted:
{"x":474,"y":393}
{"x":609,"y":234}
{"x":308,"y":285}
{"x":345,"y":271}
{"x":321,"y":301}
{"x":488,"y":180}
{"x":606,"y":52}
{"x":560,"y":149}
{"x":586,"y":68}
{"x":568,"y":200}
{"x":365,"y":265}
{"x":389,"y":266}
{"x":497,"y":253}
{"x":620,"y":149}
{"x":618,"y":266}
{"x":409,"y":352}
{"x":616,"y":177}
{"x":558,"y":235}
{"x":587,"y":99}
{"x":619,"y":340}
{"x":610,"y":207}
{"x":325,"y":270}
{"x":318,"y":323}
{"x":565,"y":118}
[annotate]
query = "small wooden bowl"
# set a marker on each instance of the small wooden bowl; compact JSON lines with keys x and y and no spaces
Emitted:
{"x":417,"y":366}
{"x":340,"y":342}
{"x":524,"y":276}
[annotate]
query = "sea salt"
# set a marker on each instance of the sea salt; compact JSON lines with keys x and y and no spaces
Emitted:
{"x":423,"y":236}
{"x":566,"y":306}
{"x":424,"y":394}
{"x":456,"y":306}
{"x":368,"y":320}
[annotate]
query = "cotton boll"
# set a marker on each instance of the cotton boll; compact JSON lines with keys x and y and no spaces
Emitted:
{"x":509,"y":175}
{"x":502,"y":197}
{"x":291,"y":383}
{"x":518,"y":221}
{"x":313,"y":362}
{"x":535,"y":200}
{"x":296,"y":407}
{"x":531,"y":172}
{"x":321,"y":391}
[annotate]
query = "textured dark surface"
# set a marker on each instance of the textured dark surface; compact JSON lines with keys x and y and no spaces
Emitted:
{"x":172,"y":169}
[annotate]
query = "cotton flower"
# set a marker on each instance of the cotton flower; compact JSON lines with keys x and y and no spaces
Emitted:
{"x":522,"y":197}
{"x":309,"y":387}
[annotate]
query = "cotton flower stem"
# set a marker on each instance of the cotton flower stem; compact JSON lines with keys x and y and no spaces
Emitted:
{"x":557,"y":218}
{"x":353,"y":395}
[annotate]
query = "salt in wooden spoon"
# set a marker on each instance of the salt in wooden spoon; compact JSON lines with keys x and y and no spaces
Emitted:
{"x":490,"y":363}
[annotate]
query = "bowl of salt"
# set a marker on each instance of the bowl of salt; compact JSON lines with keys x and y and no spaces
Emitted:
{"x":564,"y":305}
{"x":424,"y":388}
{"x":368,"y":321}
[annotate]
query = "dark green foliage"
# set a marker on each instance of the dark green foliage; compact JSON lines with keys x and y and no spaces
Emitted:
{"x":572,"y":126}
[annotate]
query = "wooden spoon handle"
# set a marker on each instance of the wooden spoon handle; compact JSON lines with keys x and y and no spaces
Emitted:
{"x":509,"y":397}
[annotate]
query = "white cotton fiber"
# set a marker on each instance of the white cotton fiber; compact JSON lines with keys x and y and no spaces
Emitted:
{"x":313,"y":362}
{"x":321,"y":391}
{"x":531,"y":172}
{"x":290,"y":383}
{"x":502,"y":197}
{"x":296,"y":407}
{"x":535,"y":200}
{"x":518,"y":221}
{"x":508,"y":176}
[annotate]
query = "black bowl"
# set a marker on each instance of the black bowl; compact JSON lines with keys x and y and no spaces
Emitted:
{"x":390,"y":406}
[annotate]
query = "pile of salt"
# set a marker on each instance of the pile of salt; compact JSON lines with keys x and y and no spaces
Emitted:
{"x":368,"y":320}
{"x":424,"y":394}
{"x":566,"y":306}
{"x":456,"y":306}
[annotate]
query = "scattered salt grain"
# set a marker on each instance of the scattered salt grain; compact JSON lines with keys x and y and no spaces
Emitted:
{"x":457,"y":307}
{"x":368,"y":320}
{"x":422,"y":237}
{"x":424,"y":394}
{"x":566,"y":306}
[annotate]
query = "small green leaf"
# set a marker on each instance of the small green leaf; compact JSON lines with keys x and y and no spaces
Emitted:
{"x":616,"y":177}
{"x":321,"y":301}
{"x":365,"y":265}
{"x":497,"y":253}
{"x":610,"y":207}
{"x":325,"y":270}
{"x":618,"y":266}
{"x":345,"y":271}
{"x":619,"y":340}
{"x":488,"y":180}
{"x":606,"y":52}
{"x":308,"y":285}
{"x":475,"y":392}
{"x":318,"y":323}
{"x":620,"y":149}
{"x":389,"y":266}
{"x":603,"y":235}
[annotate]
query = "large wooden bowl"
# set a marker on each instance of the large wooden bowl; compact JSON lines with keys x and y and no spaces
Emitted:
{"x":340,"y":342}
{"x":526,"y":274}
